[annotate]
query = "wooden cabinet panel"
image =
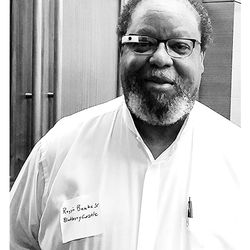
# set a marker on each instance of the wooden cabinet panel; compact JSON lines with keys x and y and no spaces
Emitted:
{"x":20,"y":83}
{"x":31,"y":80}
{"x":89,"y":54}
{"x":215,"y":89}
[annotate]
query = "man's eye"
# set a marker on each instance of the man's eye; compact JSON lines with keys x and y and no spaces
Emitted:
{"x":180,"y":47}
{"x":142,"y":47}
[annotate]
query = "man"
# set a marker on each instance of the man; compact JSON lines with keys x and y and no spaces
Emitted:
{"x":151,"y":170}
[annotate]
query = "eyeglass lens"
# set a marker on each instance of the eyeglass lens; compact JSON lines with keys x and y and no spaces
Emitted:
{"x":175,"y":47}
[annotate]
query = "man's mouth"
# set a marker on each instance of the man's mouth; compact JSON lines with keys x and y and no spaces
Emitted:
{"x":160,"y":80}
{"x":160,"y":83}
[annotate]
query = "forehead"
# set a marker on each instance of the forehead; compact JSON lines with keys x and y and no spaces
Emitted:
{"x":165,"y":18}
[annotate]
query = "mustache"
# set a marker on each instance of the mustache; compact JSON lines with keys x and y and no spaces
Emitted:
{"x":163,"y":75}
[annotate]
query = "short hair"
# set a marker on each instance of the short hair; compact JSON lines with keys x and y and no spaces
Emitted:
{"x":206,"y":28}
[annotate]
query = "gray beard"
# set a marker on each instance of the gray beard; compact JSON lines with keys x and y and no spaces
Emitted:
{"x":156,"y":107}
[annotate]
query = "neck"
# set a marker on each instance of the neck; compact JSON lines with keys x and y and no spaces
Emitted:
{"x":157,"y":138}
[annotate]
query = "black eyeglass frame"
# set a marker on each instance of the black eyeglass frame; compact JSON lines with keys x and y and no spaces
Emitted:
{"x":134,"y":38}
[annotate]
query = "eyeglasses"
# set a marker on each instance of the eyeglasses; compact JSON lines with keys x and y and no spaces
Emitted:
{"x":145,"y":45}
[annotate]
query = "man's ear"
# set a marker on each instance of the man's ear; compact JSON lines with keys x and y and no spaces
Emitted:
{"x":202,"y":56}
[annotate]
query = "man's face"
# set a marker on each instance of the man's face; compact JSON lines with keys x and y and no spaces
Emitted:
{"x":159,"y":89}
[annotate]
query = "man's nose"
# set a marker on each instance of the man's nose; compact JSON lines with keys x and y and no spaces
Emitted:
{"x":161,"y":58}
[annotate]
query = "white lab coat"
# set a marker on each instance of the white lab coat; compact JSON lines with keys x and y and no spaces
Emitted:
{"x":97,"y":157}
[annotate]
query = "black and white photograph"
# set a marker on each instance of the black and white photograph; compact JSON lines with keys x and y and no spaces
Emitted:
{"x":127,"y":125}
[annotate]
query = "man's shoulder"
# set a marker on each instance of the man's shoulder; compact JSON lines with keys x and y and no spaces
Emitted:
{"x":207,"y":119}
{"x":66,"y":130}
{"x":215,"y":130}
{"x":90,"y":114}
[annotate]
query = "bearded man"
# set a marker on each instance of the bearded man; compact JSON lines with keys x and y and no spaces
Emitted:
{"x":151,"y":170}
